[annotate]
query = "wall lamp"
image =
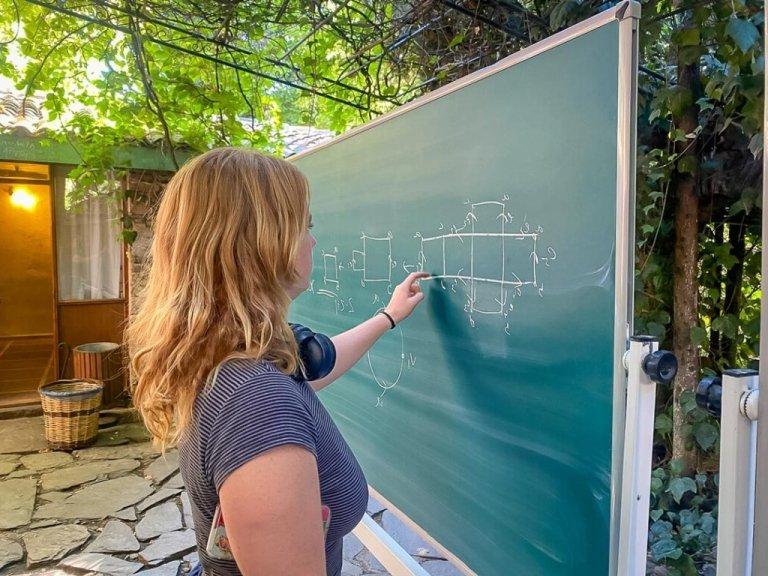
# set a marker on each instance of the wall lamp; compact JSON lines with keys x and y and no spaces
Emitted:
{"x":22,"y":198}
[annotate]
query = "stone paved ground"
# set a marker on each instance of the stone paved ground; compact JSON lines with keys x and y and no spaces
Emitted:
{"x":120,"y":508}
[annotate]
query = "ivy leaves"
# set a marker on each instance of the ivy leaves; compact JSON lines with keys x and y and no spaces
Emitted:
{"x":743,"y":32}
{"x":683,"y":527}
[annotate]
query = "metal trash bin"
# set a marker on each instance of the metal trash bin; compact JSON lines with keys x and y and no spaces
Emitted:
{"x":101,"y":361}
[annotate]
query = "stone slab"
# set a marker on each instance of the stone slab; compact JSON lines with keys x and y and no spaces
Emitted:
{"x":169,"y":569}
{"x":115,"y":537}
{"x":133,"y":451}
{"x":8,"y":467}
{"x":102,"y":564}
{"x":99,"y":500}
{"x":80,"y":473}
{"x":441,"y":568}
{"x":55,"y":496}
{"x":352,"y":546}
{"x":374,"y":506}
{"x":193,"y":558}
{"x":405,"y":536}
{"x":369,"y":562}
{"x":159,"y":496}
{"x":125,"y":514}
{"x":159,"y":520}
{"x":163,"y":467}
{"x":49,"y":544}
{"x":46,"y":460}
{"x":122,"y":434}
{"x":10,"y":552}
{"x":22,"y":473}
{"x":17,"y":501}
{"x":186,"y":509}
{"x":123,"y":415}
{"x":44,"y":523}
{"x":175,"y":482}
{"x":22,"y":435}
{"x":169,"y":546}
{"x":350,"y":569}
{"x":49,"y":571}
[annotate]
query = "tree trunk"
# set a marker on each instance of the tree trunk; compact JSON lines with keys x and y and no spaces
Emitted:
{"x":715,"y":341}
{"x":733,"y":289}
{"x":686,"y":284}
{"x":686,"y":310}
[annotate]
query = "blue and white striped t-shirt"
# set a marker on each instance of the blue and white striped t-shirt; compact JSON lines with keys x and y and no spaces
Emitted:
{"x":252,"y":407}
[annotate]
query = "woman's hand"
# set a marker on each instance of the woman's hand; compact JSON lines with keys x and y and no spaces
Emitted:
{"x":352,"y":344}
{"x":405,"y":297}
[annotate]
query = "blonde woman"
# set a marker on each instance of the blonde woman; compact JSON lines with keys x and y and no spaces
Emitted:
{"x":217,"y":369}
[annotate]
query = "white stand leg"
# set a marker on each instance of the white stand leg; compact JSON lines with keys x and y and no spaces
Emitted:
{"x":738,"y":458}
{"x":638,"y":452}
{"x":391,"y":555}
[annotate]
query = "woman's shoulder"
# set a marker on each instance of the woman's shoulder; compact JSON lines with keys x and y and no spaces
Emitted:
{"x":248,"y":378}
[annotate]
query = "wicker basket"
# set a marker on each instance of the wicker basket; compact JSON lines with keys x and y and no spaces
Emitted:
{"x":71,"y":412}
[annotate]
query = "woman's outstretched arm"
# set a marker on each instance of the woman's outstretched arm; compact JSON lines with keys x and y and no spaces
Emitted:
{"x":355,"y":342}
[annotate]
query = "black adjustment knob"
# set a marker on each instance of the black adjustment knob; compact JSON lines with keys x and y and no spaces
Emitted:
{"x":661,"y":366}
{"x":709,"y":394}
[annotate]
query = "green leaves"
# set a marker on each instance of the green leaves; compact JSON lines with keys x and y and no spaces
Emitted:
{"x":678,"y":487}
{"x":688,"y":164}
{"x":683,"y":528}
{"x":727,"y":324}
{"x":743,"y":32}
{"x":456,"y":40}
{"x":663,"y":425}
{"x":698,"y":335}
{"x":665,"y":549}
{"x":706,"y":435}
{"x":687,"y":37}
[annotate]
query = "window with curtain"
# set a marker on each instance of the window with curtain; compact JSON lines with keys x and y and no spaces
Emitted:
{"x":88,"y":245}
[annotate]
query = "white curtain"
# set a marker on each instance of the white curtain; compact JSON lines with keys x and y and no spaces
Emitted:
{"x":89,"y":252}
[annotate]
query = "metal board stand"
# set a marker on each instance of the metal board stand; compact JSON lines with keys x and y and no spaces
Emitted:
{"x":638,"y":452}
{"x":738,"y":459}
{"x":646,"y":365}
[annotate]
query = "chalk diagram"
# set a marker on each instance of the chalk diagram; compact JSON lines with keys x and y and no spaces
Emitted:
{"x":374,"y":260}
{"x":493,"y":257}
{"x":384,"y":384}
{"x":331,"y":269}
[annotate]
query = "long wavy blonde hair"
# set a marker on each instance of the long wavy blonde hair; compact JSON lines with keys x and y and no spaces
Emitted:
{"x":226,"y":241}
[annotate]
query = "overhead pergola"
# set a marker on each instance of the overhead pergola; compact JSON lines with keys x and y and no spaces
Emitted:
{"x":199,"y":67}
{"x":383,"y":53}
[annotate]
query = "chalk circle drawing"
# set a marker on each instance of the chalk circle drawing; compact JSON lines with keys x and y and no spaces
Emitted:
{"x":374,"y":260}
{"x":491,"y":255}
{"x":387,"y":365}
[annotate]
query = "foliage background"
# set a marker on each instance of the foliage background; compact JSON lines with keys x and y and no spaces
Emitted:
{"x":195,"y":75}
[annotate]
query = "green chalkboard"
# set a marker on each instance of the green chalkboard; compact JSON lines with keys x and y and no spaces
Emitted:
{"x":487,"y":417}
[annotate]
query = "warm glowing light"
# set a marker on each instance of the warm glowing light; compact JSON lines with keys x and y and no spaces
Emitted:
{"x":22,"y":198}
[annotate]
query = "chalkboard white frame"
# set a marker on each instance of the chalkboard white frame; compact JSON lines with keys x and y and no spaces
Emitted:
{"x":628,"y":15}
